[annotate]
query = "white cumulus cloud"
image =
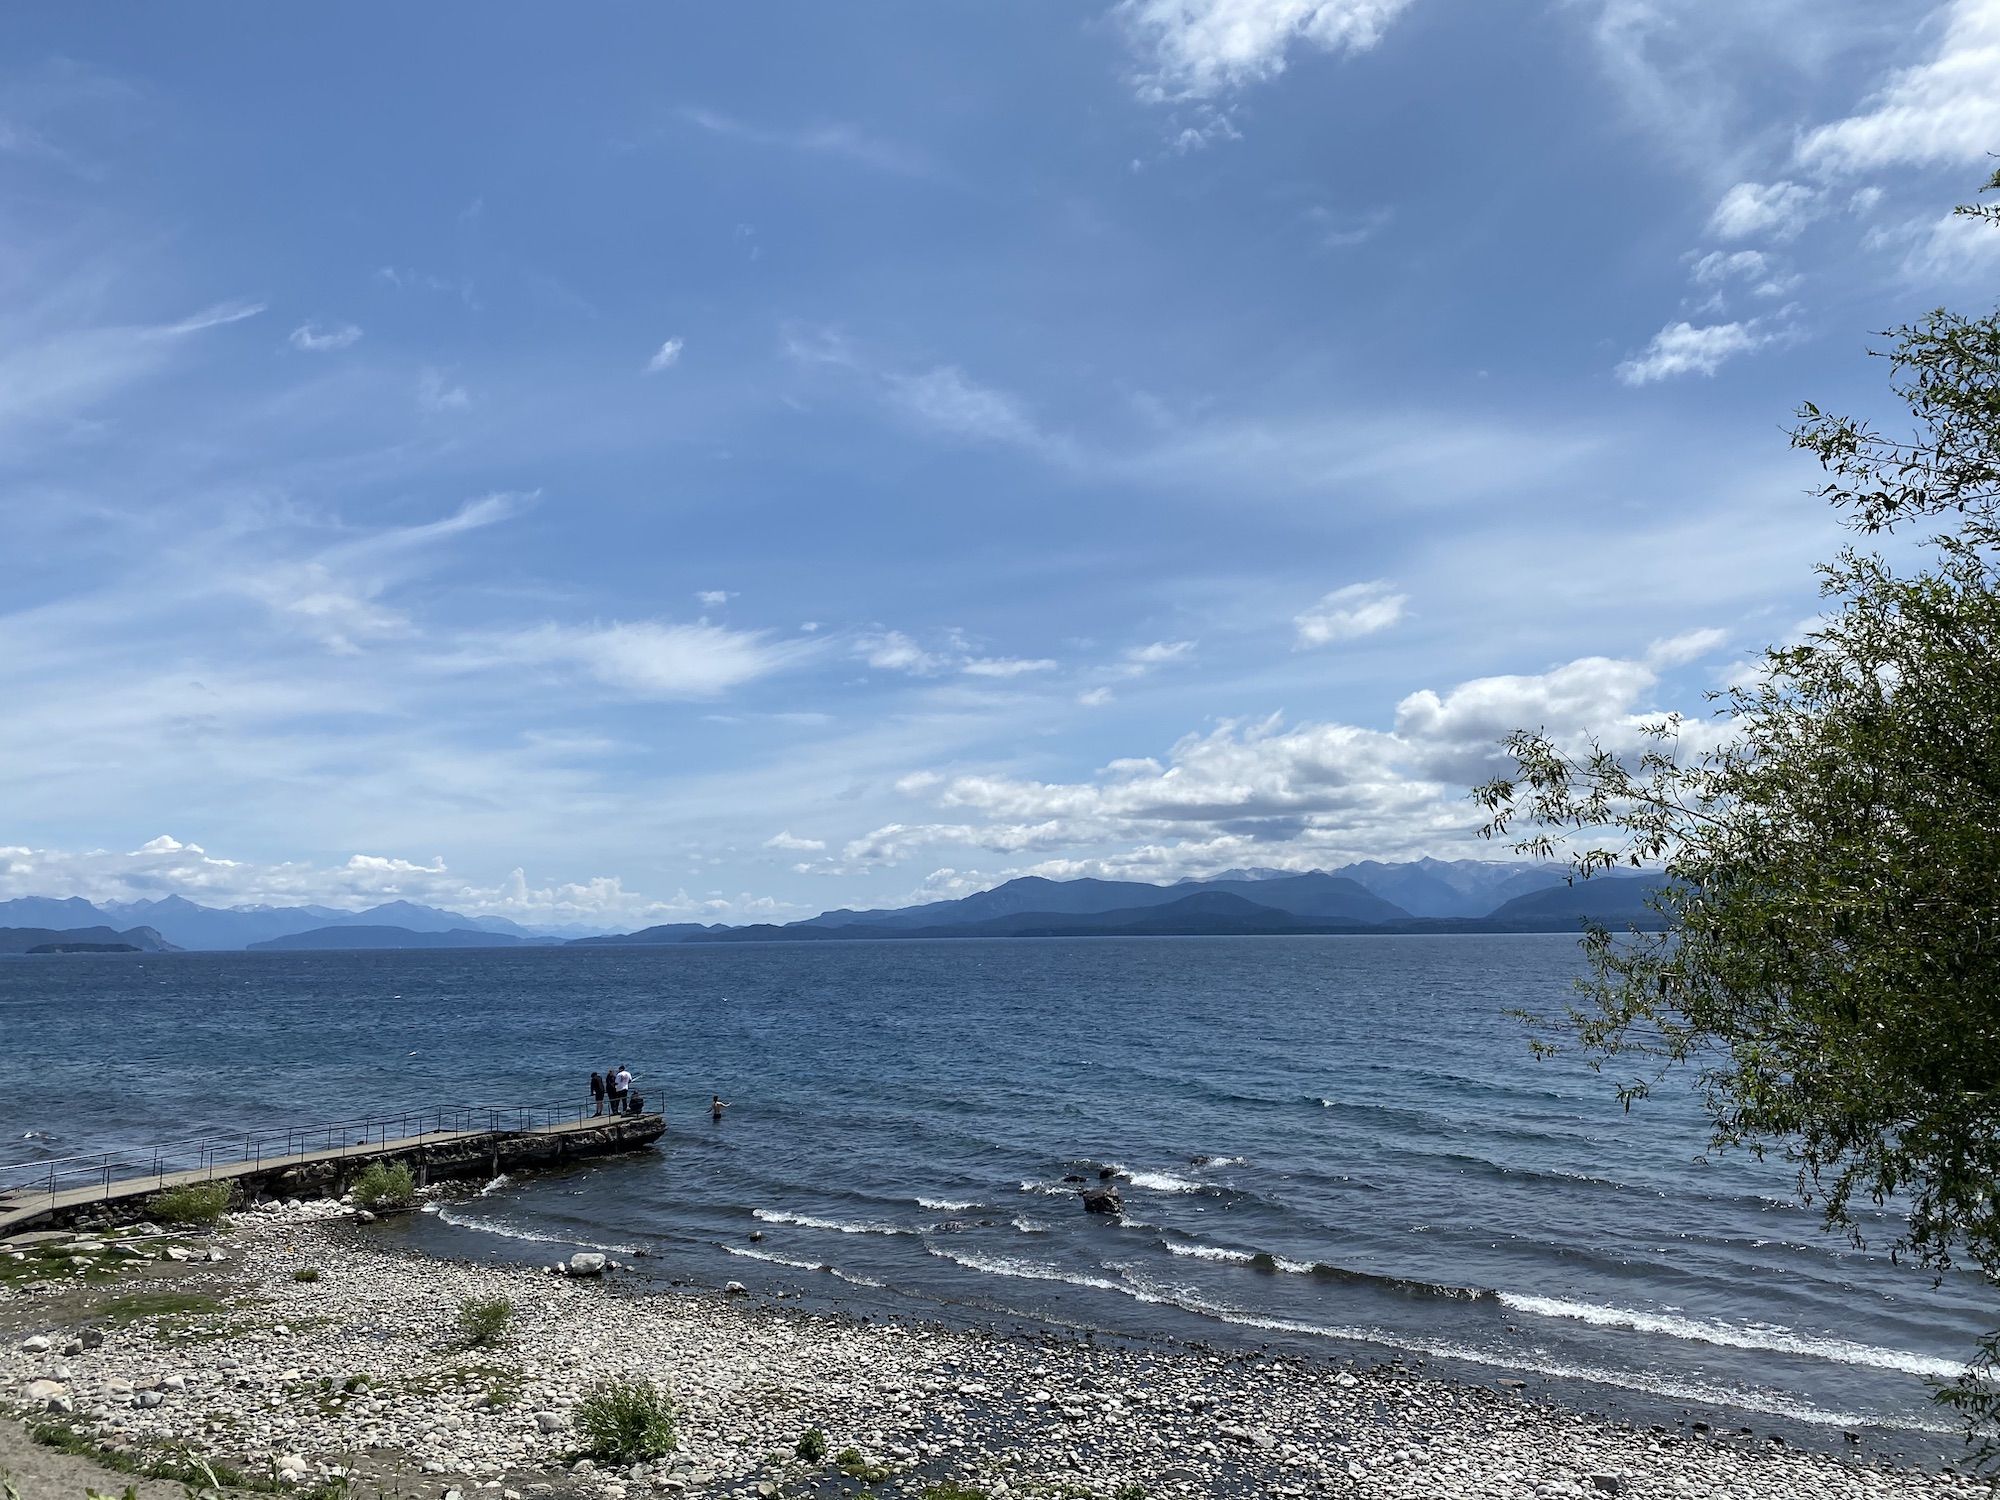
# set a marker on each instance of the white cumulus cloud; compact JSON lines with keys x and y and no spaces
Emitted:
{"x":666,"y":356}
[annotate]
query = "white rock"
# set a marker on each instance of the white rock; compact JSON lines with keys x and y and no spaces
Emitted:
{"x":549,"y":1421}
{"x":586,"y":1263}
{"x":35,"y":1344}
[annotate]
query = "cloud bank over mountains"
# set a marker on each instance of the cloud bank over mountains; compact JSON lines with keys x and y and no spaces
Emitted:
{"x":990,"y":447}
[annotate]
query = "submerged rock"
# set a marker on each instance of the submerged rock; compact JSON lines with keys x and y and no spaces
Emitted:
{"x":1103,"y":1200}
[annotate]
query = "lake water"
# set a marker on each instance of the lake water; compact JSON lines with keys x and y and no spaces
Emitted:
{"x":1329,"y":1145}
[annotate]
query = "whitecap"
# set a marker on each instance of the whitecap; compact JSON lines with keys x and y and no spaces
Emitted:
{"x":1162,"y":1182}
{"x":459,"y":1220}
{"x":1768,"y":1403}
{"x":1766,"y":1337}
{"x":503,"y":1180}
{"x":946,"y":1205}
{"x":1025,"y":1270}
{"x":808,"y":1221}
{"x":818,"y":1268}
{"x":1211,"y":1252}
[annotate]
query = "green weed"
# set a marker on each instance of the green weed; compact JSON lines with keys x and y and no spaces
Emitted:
{"x":483,"y":1320}
{"x":623,"y":1421}
{"x":199,"y":1203}
{"x":385,"y":1186}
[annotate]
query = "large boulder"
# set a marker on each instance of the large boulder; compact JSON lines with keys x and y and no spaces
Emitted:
{"x":1102,"y":1200}
{"x":586,"y":1263}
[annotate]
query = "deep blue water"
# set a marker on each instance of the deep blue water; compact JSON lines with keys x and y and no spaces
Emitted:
{"x":905,"y":1114}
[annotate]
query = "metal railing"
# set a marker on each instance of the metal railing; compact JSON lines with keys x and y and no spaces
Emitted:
{"x":126,"y":1169}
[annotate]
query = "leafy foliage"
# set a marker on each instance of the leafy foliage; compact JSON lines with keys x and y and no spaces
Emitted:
{"x":200,"y":1203}
{"x":385,"y":1185}
{"x":483,"y":1320}
{"x":1831,"y":970}
{"x":811,"y":1446}
{"x":623,"y":1421}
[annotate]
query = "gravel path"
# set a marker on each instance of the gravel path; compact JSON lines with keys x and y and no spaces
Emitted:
{"x":361,"y":1371}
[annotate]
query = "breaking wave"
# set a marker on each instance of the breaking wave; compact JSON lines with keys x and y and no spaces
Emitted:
{"x":1735,"y":1336}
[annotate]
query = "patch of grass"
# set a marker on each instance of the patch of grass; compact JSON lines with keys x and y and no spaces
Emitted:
{"x":1130,"y":1490}
{"x":385,"y":1185}
{"x":200,"y":1203}
{"x":482,"y":1321}
{"x":135,"y":1305}
{"x":623,"y":1421}
{"x":8,"y":1489}
{"x":857,"y":1465}
{"x":179,"y":1464}
{"x":951,"y":1489}
{"x":811,"y":1446}
{"x":306,"y":1273}
{"x":130,"y":1492}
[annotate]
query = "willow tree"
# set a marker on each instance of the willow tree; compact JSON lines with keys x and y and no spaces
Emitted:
{"x":1830,"y":972}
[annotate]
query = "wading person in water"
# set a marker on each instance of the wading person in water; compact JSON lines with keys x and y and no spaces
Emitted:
{"x":716,"y":1105}
{"x":597,"y":1091}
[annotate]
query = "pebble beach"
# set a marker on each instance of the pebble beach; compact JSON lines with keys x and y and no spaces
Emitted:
{"x":298,"y":1347}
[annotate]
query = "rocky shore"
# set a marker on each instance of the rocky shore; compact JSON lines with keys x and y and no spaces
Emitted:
{"x":302,"y":1352}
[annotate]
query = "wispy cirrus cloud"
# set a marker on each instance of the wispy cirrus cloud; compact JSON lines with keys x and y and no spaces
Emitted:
{"x":665,"y":357}
{"x":646,"y":658}
{"x":1199,"y":49}
{"x":1685,"y":348}
{"x":1348,"y":613}
{"x":310,"y":338}
{"x":1941,"y":111}
{"x":839,"y":139}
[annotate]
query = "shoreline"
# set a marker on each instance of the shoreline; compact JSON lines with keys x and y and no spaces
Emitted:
{"x":247,"y":1363}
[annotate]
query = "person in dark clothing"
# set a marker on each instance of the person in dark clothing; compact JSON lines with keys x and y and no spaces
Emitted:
{"x":611,"y":1094}
{"x":597,"y":1091}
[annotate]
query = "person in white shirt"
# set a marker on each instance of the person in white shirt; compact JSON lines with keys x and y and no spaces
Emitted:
{"x":624,"y":1087}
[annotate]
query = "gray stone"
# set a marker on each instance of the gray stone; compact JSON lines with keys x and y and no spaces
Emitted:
{"x":1103,"y":1200}
{"x":736,"y":1289}
{"x":549,"y":1421}
{"x":586,"y":1263}
{"x":35,"y":1344}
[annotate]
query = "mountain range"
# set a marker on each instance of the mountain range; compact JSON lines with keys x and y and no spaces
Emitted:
{"x":186,"y":924}
{"x":1420,"y":895}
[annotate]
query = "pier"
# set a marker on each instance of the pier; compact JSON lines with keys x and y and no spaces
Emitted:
{"x":112,"y":1187}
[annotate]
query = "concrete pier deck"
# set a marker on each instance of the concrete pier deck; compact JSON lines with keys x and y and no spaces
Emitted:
{"x":118,"y":1190}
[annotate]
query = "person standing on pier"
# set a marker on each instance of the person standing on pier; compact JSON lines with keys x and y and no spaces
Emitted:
{"x":597,"y":1091}
{"x":623,"y":1089}
{"x":611,"y":1088}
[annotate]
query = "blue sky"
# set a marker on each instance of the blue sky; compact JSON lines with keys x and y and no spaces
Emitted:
{"x":650,"y":463}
